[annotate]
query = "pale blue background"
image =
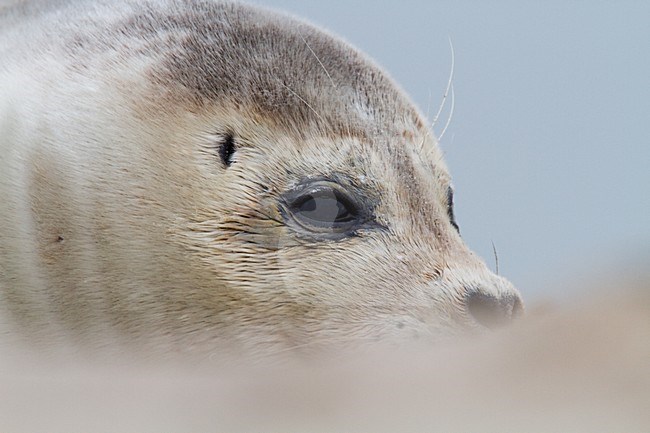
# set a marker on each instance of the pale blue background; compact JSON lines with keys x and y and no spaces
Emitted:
{"x":550,"y":140}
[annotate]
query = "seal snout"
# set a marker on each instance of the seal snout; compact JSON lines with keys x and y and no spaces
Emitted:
{"x":493,"y":311}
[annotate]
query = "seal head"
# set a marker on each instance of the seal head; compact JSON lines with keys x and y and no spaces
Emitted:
{"x":187,"y":173}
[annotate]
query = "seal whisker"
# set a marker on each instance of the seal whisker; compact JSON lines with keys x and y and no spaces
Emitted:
{"x":496,"y":258}
{"x":424,"y":138}
{"x":303,"y":101}
{"x":451,"y":114}
{"x":256,"y":215}
{"x":449,"y":85}
{"x":318,"y":60}
{"x":429,"y":103}
{"x":270,"y":218}
{"x":448,"y":89}
{"x":303,"y":345}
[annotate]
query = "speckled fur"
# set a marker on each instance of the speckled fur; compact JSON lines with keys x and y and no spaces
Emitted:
{"x":120,"y":227}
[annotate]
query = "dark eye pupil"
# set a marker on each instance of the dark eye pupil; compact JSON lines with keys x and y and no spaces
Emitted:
{"x":326,"y":208}
{"x":308,"y":206}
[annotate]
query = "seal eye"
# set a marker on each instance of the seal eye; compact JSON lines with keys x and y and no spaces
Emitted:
{"x":450,"y":208}
{"x":324,"y":208}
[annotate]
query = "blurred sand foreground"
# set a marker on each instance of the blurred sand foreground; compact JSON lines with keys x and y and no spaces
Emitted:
{"x":581,"y":369}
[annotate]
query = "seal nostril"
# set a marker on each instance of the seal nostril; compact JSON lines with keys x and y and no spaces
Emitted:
{"x":493,"y":312}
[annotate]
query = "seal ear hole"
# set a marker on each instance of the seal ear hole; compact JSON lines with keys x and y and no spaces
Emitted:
{"x":227,"y":149}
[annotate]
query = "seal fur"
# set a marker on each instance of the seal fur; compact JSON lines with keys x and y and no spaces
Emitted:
{"x":122,"y":223}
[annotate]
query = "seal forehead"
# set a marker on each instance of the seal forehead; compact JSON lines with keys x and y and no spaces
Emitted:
{"x":281,"y":68}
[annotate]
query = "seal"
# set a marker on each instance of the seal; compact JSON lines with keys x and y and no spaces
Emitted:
{"x":192,"y":175}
